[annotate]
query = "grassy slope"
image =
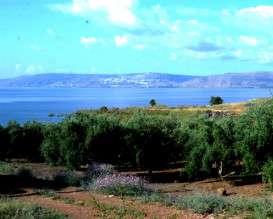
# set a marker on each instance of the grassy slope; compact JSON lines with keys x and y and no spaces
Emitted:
{"x":233,"y":109}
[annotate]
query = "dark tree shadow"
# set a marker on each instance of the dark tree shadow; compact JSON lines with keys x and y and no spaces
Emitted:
{"x":12,"y":184}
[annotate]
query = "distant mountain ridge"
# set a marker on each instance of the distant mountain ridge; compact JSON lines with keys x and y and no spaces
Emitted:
{"x":148,"y":80}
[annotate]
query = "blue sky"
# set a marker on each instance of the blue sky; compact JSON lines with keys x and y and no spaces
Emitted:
{"x":194,"y":37}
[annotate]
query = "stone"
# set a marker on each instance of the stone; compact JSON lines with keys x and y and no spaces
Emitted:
{"x":221,"y":192}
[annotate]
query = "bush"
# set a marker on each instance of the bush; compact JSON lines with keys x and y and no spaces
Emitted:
{"x":103,"y":109}
{"x":268,"y":173}
{"x":24,"y":172}
{"x":68,"y":178}
{"x":118,"y":184}
{"x":10,"y":208}
{"x":204,"y":203}
{"x":152,"y":102}
{"x":96,"y":170}
{"x":215,"y":100}
{"x":149,"y":138}
{"x":254,"y":136}
{"x":5,"y":168}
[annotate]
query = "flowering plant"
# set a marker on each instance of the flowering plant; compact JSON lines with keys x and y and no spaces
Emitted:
{"x":119,"y":184}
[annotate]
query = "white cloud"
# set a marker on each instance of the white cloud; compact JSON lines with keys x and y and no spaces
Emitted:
{"x":194,"y":12}
{"x":264,"y":56}
{"x":228,"y":39}
{"x":40,"y":68}
{"x":34,"y":48}
{"x":173,"y":56}
{"x":254,"y":18}
{"x":139,"y":46}
{"x":50,"y":32}
{"x":251,"y":41}
{"x":117,"y":12}
{"x":34,"y":69}
{"x":238,"y":53}
{"x":120,"y":41}
{"x":193,"y":21}
{"x":195,"y":33}
{"x":260,"y":11}
{"x":31,"y":69}
{"x":93,"y":69}
{"x":89,"y":42}
{"x":18,"y":67}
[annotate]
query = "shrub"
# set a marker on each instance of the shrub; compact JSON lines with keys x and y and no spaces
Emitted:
{"x":118,"y":184}
{"x":268,"y":173}
{"x":24,"y":172}
{"x":10,"y":208}
{"x":96,"y":169}
{"x":215,"y":100}
{"x":262,"y":209}
{"x":68,"y":178}
{"x":204,"y":203}
{"x":5,"y":168}
{"x":103,"y":109}
{"x":254,"y":136}
{"x":149,"y":138}
{"x":152,"y":102}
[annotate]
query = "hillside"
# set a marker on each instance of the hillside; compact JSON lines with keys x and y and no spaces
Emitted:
{"x":232,"y":80}
{"x":96,"y":80}
{"x":143,"y":80}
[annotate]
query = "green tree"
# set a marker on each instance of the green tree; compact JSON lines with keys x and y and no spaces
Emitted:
{"x":104,"y":140}
{"x":4,"y":142}
{"x":32,"y":138}
{"x":215,"y":100}
{"x":149,"y":138}
{"x":15,"y":147}
{"x":210,"y":141}
{"x":152,"y":102}
{"x":50,"y":146}
{"x":82,"y":139}
{"x":254,"y":136}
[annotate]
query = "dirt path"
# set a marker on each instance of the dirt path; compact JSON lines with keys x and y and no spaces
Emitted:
{"x":89,"y":211}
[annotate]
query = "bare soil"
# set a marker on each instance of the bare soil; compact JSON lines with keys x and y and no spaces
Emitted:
{"x":83,"y":204}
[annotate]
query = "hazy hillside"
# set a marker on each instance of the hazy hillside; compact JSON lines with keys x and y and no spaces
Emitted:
{"x":96,"y":80}
{"x":229,"y":80}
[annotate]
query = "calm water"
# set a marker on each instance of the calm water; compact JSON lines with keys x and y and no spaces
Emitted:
{"x":24,"y":104}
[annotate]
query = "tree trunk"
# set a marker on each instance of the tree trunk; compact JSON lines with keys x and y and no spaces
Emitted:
{"x":220,"y":170}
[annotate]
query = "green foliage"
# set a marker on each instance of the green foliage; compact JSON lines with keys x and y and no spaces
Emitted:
{"x":32,"y":138}
{"x":11,"y":208}
{"x":103,"y":109}
{"x":50,"y":147}
{"x":4,"y":142}
{"x":111,"y":211}
{"x":204,"y":203}
{"x":262,"y":209}
{"x":210,"y":203}
{"x":21,"y":141}
{"x":96,"y":170}
{"x":149,"y":138}
{"x":208,"y":141}
{"x":68,"y":178}
{"x":215,"y":100}
{"x":81,"y":139}
{"x":254,"y":136}
{"x":5,"y":168}
{"x":152,"y":102}
{"x":268,"y":173}
{"x":24,"y":172}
